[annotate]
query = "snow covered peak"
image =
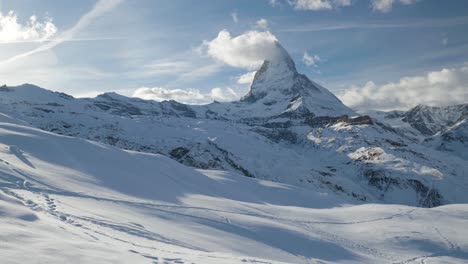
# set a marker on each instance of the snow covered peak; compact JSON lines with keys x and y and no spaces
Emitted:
{"x":31,"y":93}
{"x":277,"y":83}
{"x":25,"y":88}
{"x":280,"y":62}
{"x":431,"y":119}
{"x":277,"y":74}
{"x":110,"y":95}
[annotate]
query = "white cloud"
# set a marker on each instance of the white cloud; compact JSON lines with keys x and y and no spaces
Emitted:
{"x":246,"y":78}
{"x":316,"y":5}
{"x":33,"y":30}
{"x":223,"y":95}
{"x":310,"y":60}
{"x":311,"y":4}
{"x":444,"y":87}
{"x":187,"y":96}
{"x":343,"y":2}
{"x":274,"y":3}
{"x":262,"y":23}
{"x":386,"y":6}
{"x":234,"y":16}
{"x":383,"y":6}
{"x":101,"y":7}
{"x":161,"y":94}
{"x":248,"y":50}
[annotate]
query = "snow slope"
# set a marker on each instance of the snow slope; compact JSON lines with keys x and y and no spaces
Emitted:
{"x":65,"y":199}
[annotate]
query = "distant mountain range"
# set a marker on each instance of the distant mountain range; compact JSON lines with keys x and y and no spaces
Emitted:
{"x":287,"y":129}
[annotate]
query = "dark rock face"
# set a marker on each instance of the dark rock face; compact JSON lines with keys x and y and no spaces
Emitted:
{"x":208,"y":156}
{"x":106,"y":102}
{"x":418,"y":122}
{"x":5,"y":88}
{"x":431,"y":120}
{"x":427,"y":197}
{"x":300,"y":82}
{"x":323,"y":121}
{"x":179,"y":152}
{"x":279,"y":134}
{"x":180,"y":109}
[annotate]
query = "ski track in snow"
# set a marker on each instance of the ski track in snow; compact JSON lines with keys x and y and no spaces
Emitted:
{"x":93,"y":226}
{"x":185,"y":215}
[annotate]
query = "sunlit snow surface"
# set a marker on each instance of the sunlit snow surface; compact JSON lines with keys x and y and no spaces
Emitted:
{"x":369,"y":163}
{"x":68,"y":200}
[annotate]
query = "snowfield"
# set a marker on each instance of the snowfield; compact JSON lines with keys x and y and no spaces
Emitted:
{"x":69,"y":200}
{"x":287,"y":174}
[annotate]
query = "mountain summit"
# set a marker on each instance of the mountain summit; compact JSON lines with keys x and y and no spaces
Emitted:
{"x":277,"y":83}
{"x":277,"y":74}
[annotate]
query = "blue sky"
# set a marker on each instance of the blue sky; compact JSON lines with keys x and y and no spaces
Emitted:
{"x":87,"y":47}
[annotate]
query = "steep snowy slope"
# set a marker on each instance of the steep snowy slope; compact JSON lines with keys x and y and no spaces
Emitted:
{"x":453,"y":139}
{"x":287,"y":129}
{"x":66,"y":199}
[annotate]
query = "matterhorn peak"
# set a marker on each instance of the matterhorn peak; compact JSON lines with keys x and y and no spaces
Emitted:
{"x":281,"y":59}
{"x":277,"y":73}
{"x":277,"y":82}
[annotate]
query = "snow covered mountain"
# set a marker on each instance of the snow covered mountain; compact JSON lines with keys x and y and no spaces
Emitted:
{"x":427,"y":120}
{"x":287,"y":129}
{"x":442,"y":128}
{"x":68,"y":200}
{"x":284,"y":91}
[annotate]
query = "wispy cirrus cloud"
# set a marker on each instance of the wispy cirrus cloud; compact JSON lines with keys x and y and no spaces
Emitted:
{"x":198,"y":72}
{"x":178,"y":70}
{"x":351,"y":25}
{"x":162,"y":67}
{"x":100,"y":8}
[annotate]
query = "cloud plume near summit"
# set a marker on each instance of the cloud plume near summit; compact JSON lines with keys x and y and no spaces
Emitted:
{"x":247,"y":50}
